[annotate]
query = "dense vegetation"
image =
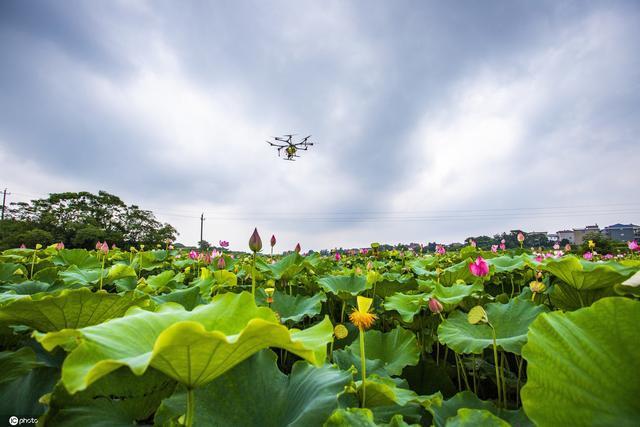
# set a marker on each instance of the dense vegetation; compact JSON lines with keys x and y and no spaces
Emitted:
{"x":366,"y":338}
{"x":78,"y":220}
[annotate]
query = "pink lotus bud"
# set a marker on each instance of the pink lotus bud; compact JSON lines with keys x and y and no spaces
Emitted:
{"x":221,"y":263}
{"x":206,"y":258}
{"x":369,"y":265}
{"x":503,"y":246}
{"x":22,"y":246}
{"x":338,"y":256}
{"x":494,"y":248}
{"x":273,"y":240}
{"x":98,"y":245}
{"x":193,"y":254}
{"x":520,"y":237}
{"x":255,"y":243}
{"x":435,"y":306}
{"x":503,"y":241}
{"x":440,"y":250}
{"x":567,"y":247}
{"x":59,"y":246}
{"x":104,"y":248}
{"x":298,"y":248}
{"x":224,"y":243}
{"x":113,"y":246}
{"x":473,"y":243}
{"x":479,"y":267}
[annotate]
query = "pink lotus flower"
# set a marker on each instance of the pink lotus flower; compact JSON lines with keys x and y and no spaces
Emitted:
{"x":479,"y":267}
{"x":193,"y":254}
{"x":98,"y":245}
{"x":221,"y":263}
{"x":338,"y":256}
{"x":22,"y":246}
{"x":494,"y":248}
{"x":520,"y":237}
{"x":633,"y":245}
{"x":298,"y":248}
{"x":503,"y":246}
{"x":215,"y":253}
{"x":503,"y":241}
{"x":608,"y":256}
{"x":224,"y":243}
{"x":113,"y":246}
{"x":472,"y":243}
{"x":556,"y":246}
{"x":273,"y":240}
{"x":588,"y":256}
{"x":104,"y":248}
{"x":364,"y":251}
{"x":440,"y":250}
{"x":59,"y":246}
{"x":435,"y":306}
{"x":567,"y":247}
{"x":539,"y":258}
{"x":206,"y":258}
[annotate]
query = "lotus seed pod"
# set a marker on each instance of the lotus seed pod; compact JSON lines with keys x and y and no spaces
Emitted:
{"x":340,"y":331}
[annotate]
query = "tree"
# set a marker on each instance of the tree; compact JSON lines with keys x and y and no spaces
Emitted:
{"x":81,"y":219}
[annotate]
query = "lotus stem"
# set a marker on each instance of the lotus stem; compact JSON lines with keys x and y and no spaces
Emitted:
{"x":33,"y":262}
{"x":504,"y":364}
{"x":253,"y":276}
{"x":363,"y":366}
{"x":464,"y":373}
{"x":344,"y":305}
{"x":520,"y":363}
{"x":102,"y":271}
{"x":191,"y":408}
{"x":495,"y":361}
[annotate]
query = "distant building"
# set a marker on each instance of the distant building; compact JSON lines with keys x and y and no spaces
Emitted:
{"x":622,"y":232}
{"x":566,"y":235}
{"x":553,"y":237}
{"x":578,"y":233}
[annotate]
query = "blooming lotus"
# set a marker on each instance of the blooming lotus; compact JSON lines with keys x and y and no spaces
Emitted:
{"x":224,"y":243}
{"x":494,"y":248}
{"x":338,"y":256}
{"x":556,"y":246}
{"x":440,"y":250}
{"x":193,"y":254}
{"x":633,"y":245}
{"x":588,"y":256}
{"x":479,"y":267}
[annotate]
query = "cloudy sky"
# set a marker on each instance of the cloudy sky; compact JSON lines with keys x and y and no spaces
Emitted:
{"x":433,"y":120}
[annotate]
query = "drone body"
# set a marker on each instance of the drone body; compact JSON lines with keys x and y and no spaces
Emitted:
{"x":290,"y":148}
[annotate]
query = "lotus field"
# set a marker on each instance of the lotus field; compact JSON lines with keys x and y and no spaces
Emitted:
{"x":170,"y":337}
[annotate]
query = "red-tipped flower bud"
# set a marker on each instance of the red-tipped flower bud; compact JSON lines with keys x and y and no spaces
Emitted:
{"x":255,"y":243}
{"x":221,"y":263}
{"x":273,"y":240}
{"x":435,"y":306}
{"x":298,"y":248}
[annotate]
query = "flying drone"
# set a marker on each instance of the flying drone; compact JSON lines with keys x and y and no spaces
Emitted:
{"x":290,"y":148}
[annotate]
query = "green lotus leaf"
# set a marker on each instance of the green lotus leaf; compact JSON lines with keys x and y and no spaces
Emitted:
{"x":117,"y":272}
{"x":9,"y":272}
{"x":15,"y":364}
{"x":587,"y":275}
{"x":81,"y":258}
{"x":22,"y":394}
{"x":351,"y":417}
{"x":406,"y":305}
{"x":225,"y":278}
{"x":193,"y":347}
{"x":346,"y":360}
{"x":28,"y":287}
{"x":285,"y":268}
{"x":75,"y":276}
{"x":159,"y":281}
{"x":584,"y":366}
{"x":73,"y":308}
{"x":397,"y":349}
{"x":306,"y":397}
{"x":453,"y":273}
{"x":443,"y":411}
{"x":476,"y":417}
{"x":394,"y":282}
{"x":451,"y":296}
{"x":189,"y":298}
{"x":48,"y":275}
{"x":424,"y":266}
{"x":507,"y":264}
{"x":511,"y":322}
{"x":117,"y":400}
{"x":385,"y":392}
{"x":631,"y":286}
{"x":344,"y":286}
{"x":294,"y":308}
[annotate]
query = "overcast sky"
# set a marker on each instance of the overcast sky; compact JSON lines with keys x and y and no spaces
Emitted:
{"x":432,"y":121}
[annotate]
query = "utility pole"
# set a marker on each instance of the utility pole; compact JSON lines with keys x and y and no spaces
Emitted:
{"x":201,"y":226}
{"x":4,"y":200}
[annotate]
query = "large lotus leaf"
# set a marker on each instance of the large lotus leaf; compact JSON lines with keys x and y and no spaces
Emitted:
{"x":224,"y":278}
{"x":14,"y":364}
{"x":73,"y":308}
{"x":395,"y":282}
{"x":346,"y":360}
{"x":567,"y":298}
{"x":80,"y":277}
{"x":48,"y":275}
{"x":81,"y":258}
{"x":28,"y":287}
{"x":193,"y":347}
{"x":118,"y":272}
{"x":295,"y":307}
{"x":424,"y":266}
{"x":188,"y":298}
{"x":587,"y":275}
{"x":119,"y":399}
{"x":285,"y":268}
{"x":451,"y":274}
{"x":631,"y":286}
{"x":584,"y":366}
{"x":9,"y":272}
{"x":451,"y":296}
{"x":443,"y":411}
{"x":160,"y":281}
{"x":256,"y":393}
{"x":476,"y":417}
{"x":344,"y":286}
{"x":511,"y":322}
{"x":351,"y":417}
{"x":396,"y":349}
{"x":385,"y":392}
{"x":21,"y":396}
{"x":506,"y":263}
{"x":406,"y":305}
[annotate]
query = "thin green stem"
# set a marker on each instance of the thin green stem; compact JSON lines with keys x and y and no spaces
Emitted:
{"x":191,"y":408}
{"x":102,"y":271}
{"x":344,"y":305}
{"x":520,"y":363}
{"x":495,"y":361}
{"x":464,"y":373}
{"x":253,"y":276}
{"x":504,"y":368}
{"x":33,"y":263}
{"x":363,"y":367}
